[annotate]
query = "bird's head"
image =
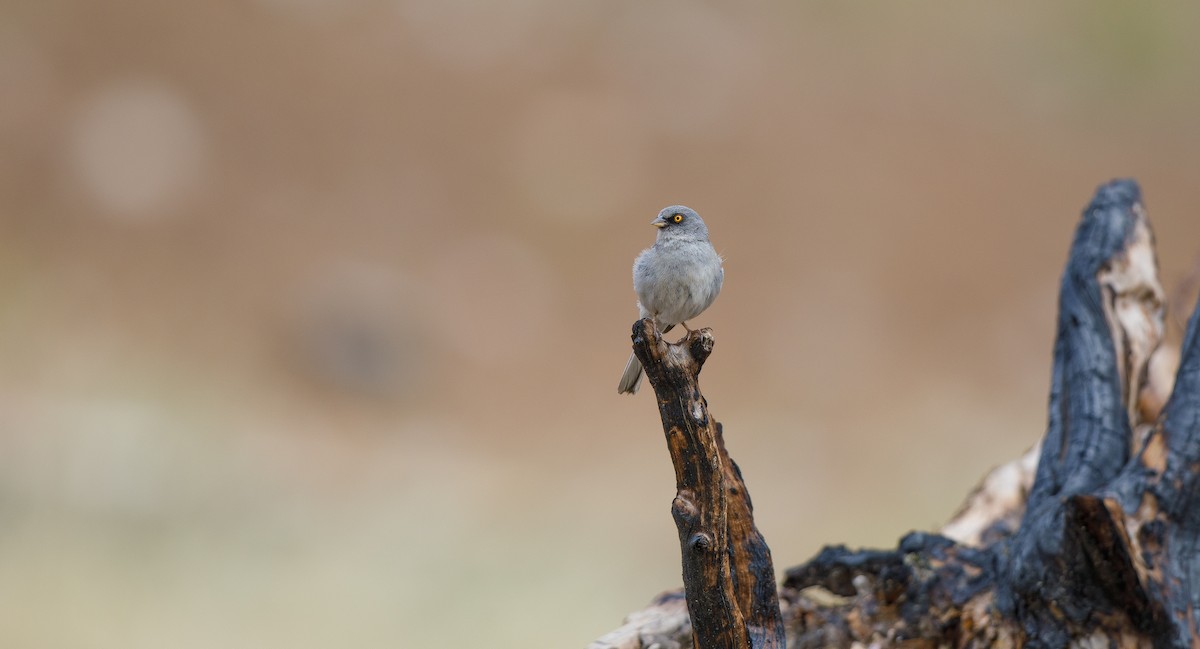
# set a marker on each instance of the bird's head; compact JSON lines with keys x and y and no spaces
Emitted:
{"x":679,"y":221}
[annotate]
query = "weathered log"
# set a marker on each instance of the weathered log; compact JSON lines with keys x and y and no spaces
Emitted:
{"x":1110,"y":320}
{"x":727,"y":571}
{"x":1060,"y":577}
{"x":1094,"y":544}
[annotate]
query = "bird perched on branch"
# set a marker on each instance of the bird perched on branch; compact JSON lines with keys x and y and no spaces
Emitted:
{"x":676,"y":279}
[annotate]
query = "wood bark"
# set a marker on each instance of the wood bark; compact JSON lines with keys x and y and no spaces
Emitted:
{"x":1092,"y":538}
{"x":728,"y":576}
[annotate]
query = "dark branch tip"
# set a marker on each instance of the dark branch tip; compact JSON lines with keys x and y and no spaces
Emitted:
{"x":644,"y":332}
{"x":700,"y":343}
{"x":648,"y":344}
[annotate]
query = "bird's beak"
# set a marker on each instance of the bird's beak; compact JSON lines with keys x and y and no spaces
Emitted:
{"x":659,"y":222}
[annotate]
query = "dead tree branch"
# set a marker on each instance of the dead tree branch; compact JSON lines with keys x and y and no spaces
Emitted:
{"x":727,"y":571}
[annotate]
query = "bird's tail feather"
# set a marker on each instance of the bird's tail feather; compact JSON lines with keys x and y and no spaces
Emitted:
{"x":631,"y":380}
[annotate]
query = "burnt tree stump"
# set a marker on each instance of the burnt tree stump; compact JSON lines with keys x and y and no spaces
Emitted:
{"x":1092,"y":539}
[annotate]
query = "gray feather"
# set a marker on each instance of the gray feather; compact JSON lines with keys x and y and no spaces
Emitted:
{"x":676,"y":279}
{"x":631,"y":380}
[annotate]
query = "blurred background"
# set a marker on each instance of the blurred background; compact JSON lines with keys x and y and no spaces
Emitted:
{"x":312,"y":311}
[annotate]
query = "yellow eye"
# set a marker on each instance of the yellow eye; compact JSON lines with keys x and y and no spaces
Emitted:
{"x":678,"y":218}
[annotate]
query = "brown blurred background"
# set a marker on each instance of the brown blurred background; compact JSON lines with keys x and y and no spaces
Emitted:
{"x":312,"y":311}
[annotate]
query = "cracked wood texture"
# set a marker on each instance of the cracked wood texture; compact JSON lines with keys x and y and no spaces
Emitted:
{"x":1091,"y":538}
{"x":728,"y":576}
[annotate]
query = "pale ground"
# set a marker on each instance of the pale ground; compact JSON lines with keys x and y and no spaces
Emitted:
{"x":312,"y":311}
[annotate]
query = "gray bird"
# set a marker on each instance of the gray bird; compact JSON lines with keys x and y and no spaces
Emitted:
{"x":676,"y":279}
